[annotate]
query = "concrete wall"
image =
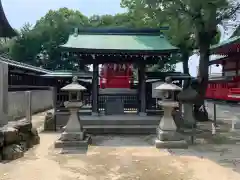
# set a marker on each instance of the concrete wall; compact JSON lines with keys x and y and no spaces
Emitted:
{"x":17,"y":102}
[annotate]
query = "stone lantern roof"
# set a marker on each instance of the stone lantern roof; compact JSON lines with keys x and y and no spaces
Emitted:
{"x":74,"y":86}
{"x":168,"y":85}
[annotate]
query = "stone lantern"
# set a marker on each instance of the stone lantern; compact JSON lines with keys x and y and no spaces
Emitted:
{"x":167,"y":135}
{"x":188,"y":97}
{"x":73,"y":135}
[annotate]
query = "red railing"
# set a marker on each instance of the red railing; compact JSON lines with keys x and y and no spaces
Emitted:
{"x":224,"y":90}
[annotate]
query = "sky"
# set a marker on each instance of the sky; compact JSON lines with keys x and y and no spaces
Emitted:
{"x":19,"y":12}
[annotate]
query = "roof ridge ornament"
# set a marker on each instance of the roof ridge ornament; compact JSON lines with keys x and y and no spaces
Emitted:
{"x":168,"y":80}
{"x":162,"y":35}
{"x":76,"y":30}
{"x":75,"y":80}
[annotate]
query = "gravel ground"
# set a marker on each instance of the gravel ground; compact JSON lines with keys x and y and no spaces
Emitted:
{"x":121,"y":158}
{"x":124,"y":158}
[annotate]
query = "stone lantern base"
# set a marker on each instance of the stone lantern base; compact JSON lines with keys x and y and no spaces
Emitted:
{"x":167,"y":136}
{"x":73,"y":139}
{"x":170,"y":139}
{"x":73,"y":135}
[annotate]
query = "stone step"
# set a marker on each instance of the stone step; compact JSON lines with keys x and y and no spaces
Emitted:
{"x":120,"y":126}
{"x":120,"y":129}
{"x":96,"y":130}
{"x":61,"y":120}
{"x":120,"y":122}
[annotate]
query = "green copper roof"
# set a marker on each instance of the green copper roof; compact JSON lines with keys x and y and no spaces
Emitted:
{"x":118,"y":42}
{"x":226,"y":42}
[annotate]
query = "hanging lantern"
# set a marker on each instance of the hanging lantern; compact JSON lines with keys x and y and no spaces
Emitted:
{"x":115,"y":67}
{"x":104,"y":80}
{"x":124,"y":67}
{"x":118,"y":67}
{"x":109,"y":66}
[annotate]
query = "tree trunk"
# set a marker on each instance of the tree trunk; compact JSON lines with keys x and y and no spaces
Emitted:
{"x":184,"y":59}
{"x":203,"y":68}
{"x":204,"y":46}
{"x":188,"y":121}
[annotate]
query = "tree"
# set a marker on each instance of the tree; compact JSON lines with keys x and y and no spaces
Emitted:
{"x":236,"y":32}
{"x":180,"y":31}
{"x":38,"y":45}
{"x":49,"y":32}
{"x":198,"y":22}
{"x":125,"y":20}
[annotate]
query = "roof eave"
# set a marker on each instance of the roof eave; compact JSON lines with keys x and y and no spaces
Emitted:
{"x":5,"y":28}
{"x":229,"y":42}
{"x":104,"y":51}
{"x":23,"y":65}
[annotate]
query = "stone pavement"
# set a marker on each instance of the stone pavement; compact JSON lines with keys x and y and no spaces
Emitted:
{"x":226,"y":155}
{"x":225,"y":112}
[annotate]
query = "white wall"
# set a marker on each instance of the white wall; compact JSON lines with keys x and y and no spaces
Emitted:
{"x":17,"y":102}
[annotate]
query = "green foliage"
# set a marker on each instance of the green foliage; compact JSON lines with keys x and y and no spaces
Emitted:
{"x":193,"y":24}
{"x":49,"y":32}
{"x":236,"y":32}
{"x":54,"y":28}
{"x":216,"y":39}
{"x":168,"y":64}
{"x":165,"y":68}
{"x":180,"y":31}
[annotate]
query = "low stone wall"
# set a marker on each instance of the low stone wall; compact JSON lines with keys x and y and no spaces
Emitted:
{"x":17,"y":102}
{"x":16,"y":138}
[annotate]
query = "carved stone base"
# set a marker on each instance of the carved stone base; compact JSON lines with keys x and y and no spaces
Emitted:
{"x":75,"y":136}
{"x":95,"y":114}
{"x":73,"y":139}
{"x":168,"y":135}
{"x":171,"y":144}
{"x":143,"y":114}
{"x":74,"y":143}
{"x":170,"y":139}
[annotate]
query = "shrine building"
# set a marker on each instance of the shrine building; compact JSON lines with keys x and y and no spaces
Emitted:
{"x":227,"y":86}
{"x":118,"y":49}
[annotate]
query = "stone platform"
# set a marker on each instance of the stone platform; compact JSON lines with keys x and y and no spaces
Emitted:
{"x":171,"y":144}
{"x":115,"y":124}
{"x":79,"y":144}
